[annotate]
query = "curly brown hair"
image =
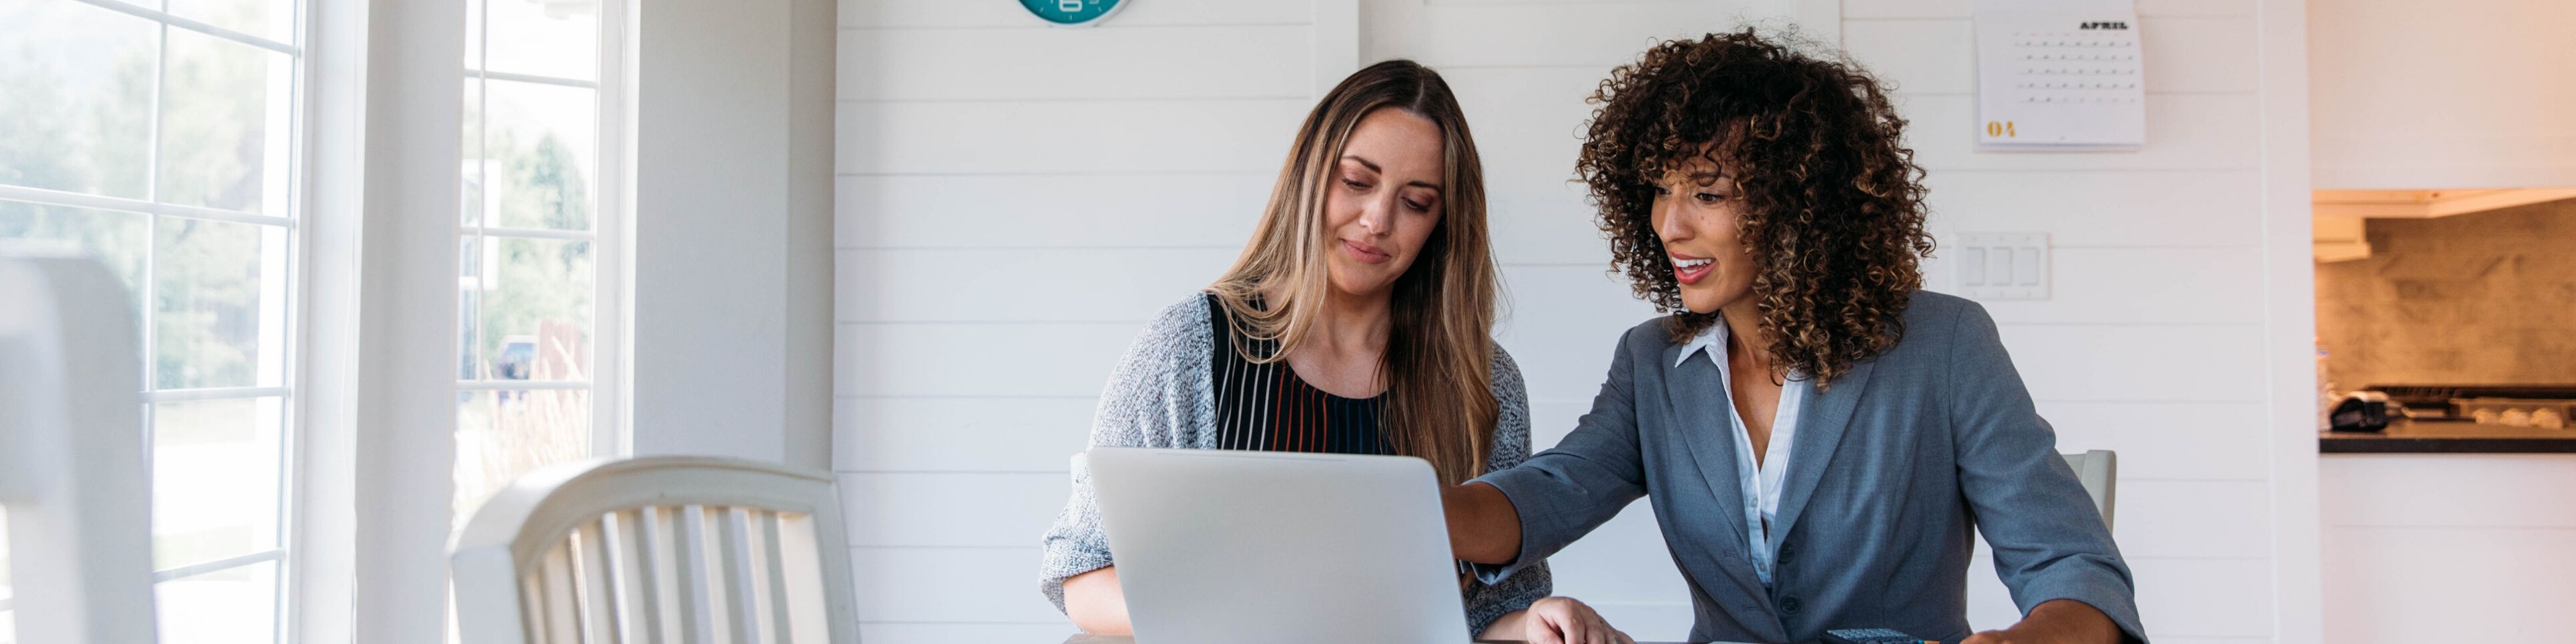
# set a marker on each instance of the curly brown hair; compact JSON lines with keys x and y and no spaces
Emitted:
{"x":1833,"y":202}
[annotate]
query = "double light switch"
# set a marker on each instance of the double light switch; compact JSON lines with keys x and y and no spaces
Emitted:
{"x":2002,"y":266}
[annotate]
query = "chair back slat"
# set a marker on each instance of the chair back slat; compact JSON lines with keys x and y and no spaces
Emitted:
{"x":532,"y":599}
{"x":598,"y":595}
{"x":630,"y":573}
{"x":658,"y":550}
{"x":697,"y":592}
{"x":802,"y":616}
{"x":773,"y":570}
{"x":741,"y":613}
{"x":657,"y":561}
{"x":562,"y":604}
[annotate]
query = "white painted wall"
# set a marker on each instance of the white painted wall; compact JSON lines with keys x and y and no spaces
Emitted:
{"x":2444,"y":93}
{"x":732,"y":213}
{"x":978,"y":180}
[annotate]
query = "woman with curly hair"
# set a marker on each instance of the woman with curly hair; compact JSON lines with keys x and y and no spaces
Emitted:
{"x":1820,"y":439}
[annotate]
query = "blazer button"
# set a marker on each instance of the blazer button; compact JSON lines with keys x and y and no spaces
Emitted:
{"x":1787,"y":552}
{"x":1789,"y":606}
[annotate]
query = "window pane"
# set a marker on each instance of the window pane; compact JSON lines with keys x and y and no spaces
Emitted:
{"x":536,"y":309}
{"x":115,"y":238}
{"x":543,"y":142}
{"x":214,"y":479}
{"x":473,"y":34}
{"x":77,"y":100}
{"x":558,"y":38}
{"x":220,"y":316}
{"x":471,"y":201}
{"x":469,"y":309}
{"x":271,"y":19}
{"x":224,"y":125}
{"x":230,"y":606}
{"x":503,"y":434}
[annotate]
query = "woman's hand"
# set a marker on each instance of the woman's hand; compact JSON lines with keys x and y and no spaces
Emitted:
{"x":2057,"y":621}
{"x":1561,"y":620}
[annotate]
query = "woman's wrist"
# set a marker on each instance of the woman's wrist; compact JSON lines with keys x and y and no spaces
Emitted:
{"x":1506,"y":628}
{"x":1483,"y":526}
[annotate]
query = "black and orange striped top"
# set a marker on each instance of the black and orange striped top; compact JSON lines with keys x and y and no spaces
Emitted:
{"x":1266,"y":407}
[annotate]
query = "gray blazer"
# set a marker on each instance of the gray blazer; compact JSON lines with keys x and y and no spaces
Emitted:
{"x":1911,"y":455}
{"x":1163,"y":396}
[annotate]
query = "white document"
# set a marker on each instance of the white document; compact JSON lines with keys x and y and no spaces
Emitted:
{"x":2059,"y":76}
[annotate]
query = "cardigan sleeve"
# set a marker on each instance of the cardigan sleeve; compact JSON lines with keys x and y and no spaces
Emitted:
{"x":1488,"y":601}
{"x":1149,"y":402}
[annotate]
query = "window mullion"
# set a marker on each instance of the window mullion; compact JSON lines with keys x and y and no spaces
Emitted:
{"x":219,"y":565}
{"x":167,"y":19}
{"x":148,"y":311}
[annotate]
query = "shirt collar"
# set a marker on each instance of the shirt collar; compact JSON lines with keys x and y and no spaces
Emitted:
{"x":1711,"y":340}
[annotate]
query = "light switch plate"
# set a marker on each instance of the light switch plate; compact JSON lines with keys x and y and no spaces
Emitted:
{"x":2002,"y":266}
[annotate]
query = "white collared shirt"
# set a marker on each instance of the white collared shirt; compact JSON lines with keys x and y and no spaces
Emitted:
{"x":1762,"y":483}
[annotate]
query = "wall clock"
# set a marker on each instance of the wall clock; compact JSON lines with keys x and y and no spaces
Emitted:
{"x":1073,"y":13}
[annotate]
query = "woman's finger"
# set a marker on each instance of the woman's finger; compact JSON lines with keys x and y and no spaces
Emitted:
{"x":1542,"y":631}
{"x":1574,"y":628}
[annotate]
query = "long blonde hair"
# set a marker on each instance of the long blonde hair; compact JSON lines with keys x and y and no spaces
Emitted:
{"x":1440,"y":350}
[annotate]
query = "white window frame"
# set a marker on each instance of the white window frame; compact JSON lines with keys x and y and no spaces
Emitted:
{"x":341,"y":455}
{"x":393,"y":89}
{"x":607,"y":237}
{"x":291,"y":311}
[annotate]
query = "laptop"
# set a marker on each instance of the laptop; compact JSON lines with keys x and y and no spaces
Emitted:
{"x":1228,"y":546}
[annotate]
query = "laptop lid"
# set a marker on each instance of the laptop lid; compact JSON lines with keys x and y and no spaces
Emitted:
{"x":1229,"y":546}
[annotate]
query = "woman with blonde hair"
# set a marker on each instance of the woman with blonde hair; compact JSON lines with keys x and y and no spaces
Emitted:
{"x":1358,"y":320}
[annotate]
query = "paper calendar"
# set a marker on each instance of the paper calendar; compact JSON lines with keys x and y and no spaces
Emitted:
{"x":2059,"y":76}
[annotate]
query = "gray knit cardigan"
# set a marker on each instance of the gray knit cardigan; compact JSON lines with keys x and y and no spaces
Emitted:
{"x":1161,"y":396}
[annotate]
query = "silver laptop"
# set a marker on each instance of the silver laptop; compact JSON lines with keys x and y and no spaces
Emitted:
{"x":1225,"y":546}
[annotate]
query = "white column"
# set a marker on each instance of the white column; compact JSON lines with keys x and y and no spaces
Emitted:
{"x":732,"y":313}
{"x":407,"y":350}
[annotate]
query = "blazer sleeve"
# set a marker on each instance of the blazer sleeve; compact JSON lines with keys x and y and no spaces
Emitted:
{"x":1144,"y":405}
{"x":1563,"y":493}
{"x":1488,"y":600}
{"x":2049,"y":541}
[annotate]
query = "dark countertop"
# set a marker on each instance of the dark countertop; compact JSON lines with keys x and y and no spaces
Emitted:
{"x":2449,"y":437}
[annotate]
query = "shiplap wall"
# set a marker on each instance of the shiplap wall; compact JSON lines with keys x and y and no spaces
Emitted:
{"x":1015,"y":200}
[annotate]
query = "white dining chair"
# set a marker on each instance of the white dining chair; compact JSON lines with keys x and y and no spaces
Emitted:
{"x":71,"y":453}
{"x":661,"y":549}
{"x":2099,"y":470}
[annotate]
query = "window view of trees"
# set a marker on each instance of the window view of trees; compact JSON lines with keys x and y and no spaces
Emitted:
{"x":164,"y":153}
{"x":529,"y":272}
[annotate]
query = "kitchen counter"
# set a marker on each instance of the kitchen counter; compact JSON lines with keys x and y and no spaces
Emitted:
{"x":2448,"y":437}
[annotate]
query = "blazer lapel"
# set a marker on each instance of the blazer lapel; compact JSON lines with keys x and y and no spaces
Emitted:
{"x":1700,"y":404}
{"x":1821,"y":424}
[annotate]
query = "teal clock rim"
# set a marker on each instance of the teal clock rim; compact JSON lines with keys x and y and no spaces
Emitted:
{"x":1094,"y":22}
